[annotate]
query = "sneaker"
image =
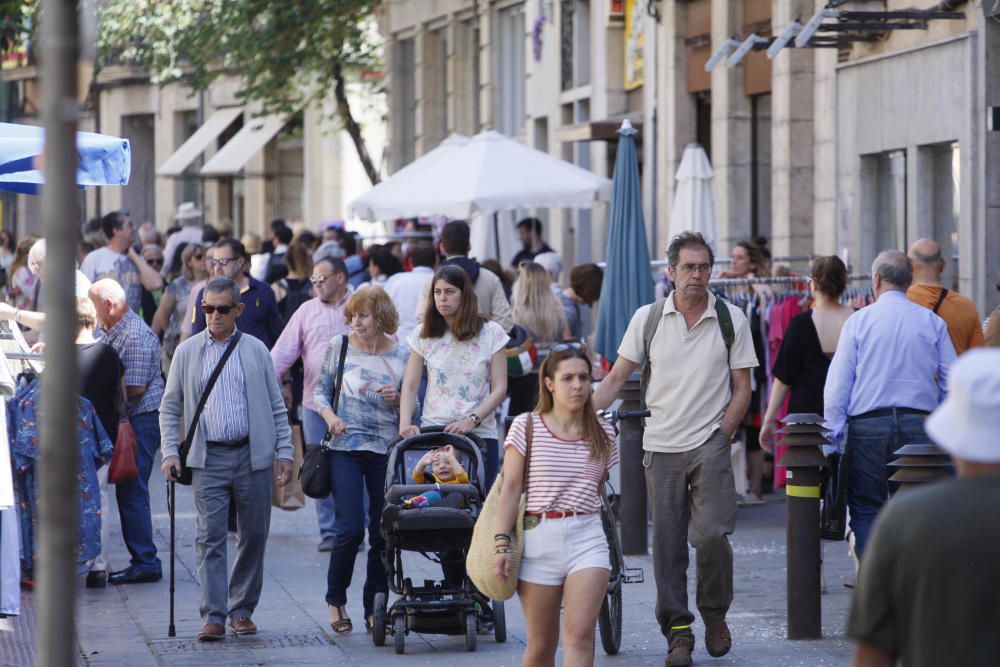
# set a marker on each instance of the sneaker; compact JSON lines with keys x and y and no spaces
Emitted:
{"x":718,"y":639}
{"x":680,"y":651}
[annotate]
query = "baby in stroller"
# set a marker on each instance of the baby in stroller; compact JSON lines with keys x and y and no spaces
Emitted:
{"x":444,"y":469}
{"x":434,"y":516}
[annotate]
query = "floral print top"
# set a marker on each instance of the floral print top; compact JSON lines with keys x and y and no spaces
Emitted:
{"x":458,"y":375}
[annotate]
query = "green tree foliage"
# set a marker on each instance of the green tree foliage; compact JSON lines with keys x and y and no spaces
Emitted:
{"x":286,"y":54}
{"x":14,"y":15}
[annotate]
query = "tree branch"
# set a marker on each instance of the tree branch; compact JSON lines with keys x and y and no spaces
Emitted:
{"x":351,"y":125}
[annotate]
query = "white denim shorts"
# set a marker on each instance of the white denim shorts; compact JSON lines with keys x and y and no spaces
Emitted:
{"x":556,"y":548}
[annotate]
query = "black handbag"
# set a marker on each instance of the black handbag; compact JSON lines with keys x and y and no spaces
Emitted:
{"x":185,"y":476}
{"x":315,"y":471}
{"x":833,"y":517}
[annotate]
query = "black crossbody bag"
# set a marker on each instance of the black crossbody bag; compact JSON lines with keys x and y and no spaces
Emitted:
{"x":185,"y":476}
{"x":315,"y":471}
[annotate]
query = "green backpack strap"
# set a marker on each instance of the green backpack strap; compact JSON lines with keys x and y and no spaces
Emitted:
{"x":725,"y":324}
{"x":648,"y":331}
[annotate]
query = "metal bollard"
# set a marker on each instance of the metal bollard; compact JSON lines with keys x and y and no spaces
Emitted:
{"x":804,"y":433}
{"x":633,"y":512}
{"x":920,"y":463}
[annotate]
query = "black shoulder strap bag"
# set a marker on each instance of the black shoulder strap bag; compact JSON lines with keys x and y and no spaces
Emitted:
{"x":185,"y":476}
{"x":315,"y":471}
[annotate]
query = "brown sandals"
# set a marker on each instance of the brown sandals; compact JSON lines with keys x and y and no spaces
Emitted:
{"x":339,"y":620}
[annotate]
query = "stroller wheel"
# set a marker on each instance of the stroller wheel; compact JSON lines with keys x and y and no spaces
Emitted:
{"x":378,"y":620}
{"x":471,"y":631}
{"x":499,"y":622}
{"x":399,"y":632}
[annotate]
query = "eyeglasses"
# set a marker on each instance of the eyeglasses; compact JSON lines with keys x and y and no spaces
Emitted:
{"x":692,"y":268}
{"x":320,"y":279}
{"x":222,"y":261}
{"x":222,"y":310}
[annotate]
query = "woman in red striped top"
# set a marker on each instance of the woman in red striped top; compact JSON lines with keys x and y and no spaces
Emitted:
{"x":565,"y":562}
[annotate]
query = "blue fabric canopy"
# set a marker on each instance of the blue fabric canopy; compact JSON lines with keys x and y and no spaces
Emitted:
{"x":102,"y":159}
{"x":628,"y":280}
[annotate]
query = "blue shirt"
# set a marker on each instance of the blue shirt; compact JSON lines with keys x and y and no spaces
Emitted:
{"x":892,"y":354}
{"x":139,"y":350}
{"x":260,"y":317}
{"x":225,"y":416}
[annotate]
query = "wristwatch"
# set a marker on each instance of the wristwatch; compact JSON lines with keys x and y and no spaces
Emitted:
{"x":476,"y":419}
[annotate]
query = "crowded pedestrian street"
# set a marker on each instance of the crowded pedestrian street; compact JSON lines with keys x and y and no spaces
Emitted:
{"x":500,"y":332}
{"x":128,"y":625}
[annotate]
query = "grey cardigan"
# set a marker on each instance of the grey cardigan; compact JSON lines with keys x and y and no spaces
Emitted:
{"x":269,"y":431}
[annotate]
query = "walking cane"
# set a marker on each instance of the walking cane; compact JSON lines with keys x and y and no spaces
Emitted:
{"x":171,"y":496}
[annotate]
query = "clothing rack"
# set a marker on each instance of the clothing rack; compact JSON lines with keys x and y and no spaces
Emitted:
{"x":775,"y":280}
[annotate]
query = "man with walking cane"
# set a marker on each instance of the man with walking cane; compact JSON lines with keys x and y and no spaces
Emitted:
{"x":233,"y":437}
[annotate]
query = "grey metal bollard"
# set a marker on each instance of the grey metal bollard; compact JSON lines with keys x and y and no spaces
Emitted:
{"x":633,"y":512}
{"x":804,"y":433}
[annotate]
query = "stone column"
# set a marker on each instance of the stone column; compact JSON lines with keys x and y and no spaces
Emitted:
{"x":826,"y":236}
{"x":675,"y":110}
{"x":792,"y":139}
{"x":980,"y":273}
{"x":731,"y":134}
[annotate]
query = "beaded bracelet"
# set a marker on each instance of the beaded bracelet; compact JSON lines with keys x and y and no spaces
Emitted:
{"x":502,"y":550}
{"x":501,"y":535}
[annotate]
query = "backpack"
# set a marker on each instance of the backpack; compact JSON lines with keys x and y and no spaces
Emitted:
{"x":723,"y":316}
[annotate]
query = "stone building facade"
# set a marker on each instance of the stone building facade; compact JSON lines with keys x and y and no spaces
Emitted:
{"x":845,"y":150}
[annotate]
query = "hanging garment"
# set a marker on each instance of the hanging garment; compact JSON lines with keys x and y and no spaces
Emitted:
{"x":10,"y":563}
{"x":95,"y":449}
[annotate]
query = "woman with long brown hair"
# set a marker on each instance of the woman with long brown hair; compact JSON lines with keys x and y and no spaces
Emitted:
{"x":466,"y":365}
{"x":565,"y":562}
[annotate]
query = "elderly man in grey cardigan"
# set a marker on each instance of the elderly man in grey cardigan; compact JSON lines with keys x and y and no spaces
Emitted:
{"x":242,"y":429}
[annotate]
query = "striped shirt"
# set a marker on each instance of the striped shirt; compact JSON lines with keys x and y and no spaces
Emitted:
{"x":561,"y":473}
{"x":225,"y":416}
{"x":139,"y":350}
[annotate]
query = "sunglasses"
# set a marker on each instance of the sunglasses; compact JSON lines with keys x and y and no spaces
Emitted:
{"x":196,"y":256}
{"x":222,"y":261}
{"x":563,"y":347}
{"x":222,"y":310}
{"x":155,"y":262}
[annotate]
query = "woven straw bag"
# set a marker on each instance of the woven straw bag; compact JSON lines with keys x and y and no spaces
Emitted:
{"x":479,"y":561}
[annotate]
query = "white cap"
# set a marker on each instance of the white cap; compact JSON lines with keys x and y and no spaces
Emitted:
{"x":967,"y":424}
{"x":552,"y":263}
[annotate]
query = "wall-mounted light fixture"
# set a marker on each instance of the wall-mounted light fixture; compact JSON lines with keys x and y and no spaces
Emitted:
{"x":728,"y":46}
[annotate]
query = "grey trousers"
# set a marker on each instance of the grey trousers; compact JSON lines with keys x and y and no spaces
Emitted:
{"x":696,"y":489}
{"x":227,"y":478}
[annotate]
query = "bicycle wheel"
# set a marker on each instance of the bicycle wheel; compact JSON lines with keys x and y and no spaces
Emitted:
{"x":609,"y":621}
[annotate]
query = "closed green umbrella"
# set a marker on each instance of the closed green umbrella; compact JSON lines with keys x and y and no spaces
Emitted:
{"x":628,"y":280}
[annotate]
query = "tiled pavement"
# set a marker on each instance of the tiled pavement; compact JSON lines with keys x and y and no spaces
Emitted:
{"x":128,"y":625}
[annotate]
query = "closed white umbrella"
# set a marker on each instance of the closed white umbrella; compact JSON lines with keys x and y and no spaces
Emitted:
{"x":490,"y":173}
{"x":694,"y":199}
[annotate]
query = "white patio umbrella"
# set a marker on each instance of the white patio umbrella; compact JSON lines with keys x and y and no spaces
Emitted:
{"x":694,"y":199}
{"x":489,"y":174}
{"x":365,"y":206}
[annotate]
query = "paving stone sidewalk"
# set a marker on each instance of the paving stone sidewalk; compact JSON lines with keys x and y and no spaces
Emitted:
{"x":127,"y":625}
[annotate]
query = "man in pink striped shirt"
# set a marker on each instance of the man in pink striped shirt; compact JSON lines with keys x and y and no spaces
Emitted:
{"x":306,"y":336}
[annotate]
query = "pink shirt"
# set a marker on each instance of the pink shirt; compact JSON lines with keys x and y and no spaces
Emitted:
{"x":306,"y":335}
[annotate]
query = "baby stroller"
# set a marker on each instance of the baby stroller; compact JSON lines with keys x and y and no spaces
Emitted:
{"x":435,"y":607}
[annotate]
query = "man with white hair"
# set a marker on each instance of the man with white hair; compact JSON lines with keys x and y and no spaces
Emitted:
{"x":927,"y":590}
{"x":139,"y":350}
{"x":36,"y":264}
{"x":889,"y":371}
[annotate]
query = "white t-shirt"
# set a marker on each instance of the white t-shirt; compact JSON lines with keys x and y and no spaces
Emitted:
{"x":561,"y":473}
{"x":689,"y":383}
{"x":106,"y":263}
{"x":458,"y":375}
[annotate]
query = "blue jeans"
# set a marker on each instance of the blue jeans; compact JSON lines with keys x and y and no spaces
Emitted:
{"x":313,"y":430}
{"x":133,"y":497}
{"x":870,"y":446}
{"x":356,"y":476}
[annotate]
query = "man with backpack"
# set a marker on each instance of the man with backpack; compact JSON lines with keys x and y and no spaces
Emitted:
{"x":695,"y":352}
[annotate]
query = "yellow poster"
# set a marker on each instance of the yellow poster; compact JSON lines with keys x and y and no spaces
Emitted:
{"x":635,"y":43}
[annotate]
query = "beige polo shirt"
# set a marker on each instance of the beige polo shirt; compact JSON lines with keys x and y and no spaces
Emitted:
{"x":689,"y":383}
